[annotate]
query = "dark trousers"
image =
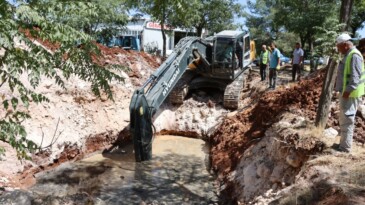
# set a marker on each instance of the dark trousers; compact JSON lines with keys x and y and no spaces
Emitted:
{"x":272,"y":77}
{"x":296,"y":69}
{"x":263,"y":68}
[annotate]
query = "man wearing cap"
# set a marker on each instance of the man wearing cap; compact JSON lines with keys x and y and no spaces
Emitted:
{"x":350,"y":83}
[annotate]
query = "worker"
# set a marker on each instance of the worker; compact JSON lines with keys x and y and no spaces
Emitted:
{"x":350,"y":84}
{"x":228,"y":52}
{"x":239,"y":54}
{"x":264,"y":62}
{"x":297,"y":61}
{"x":273,"y":63}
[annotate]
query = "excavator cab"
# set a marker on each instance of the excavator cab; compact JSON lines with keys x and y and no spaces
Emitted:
{"x":231,"y":54}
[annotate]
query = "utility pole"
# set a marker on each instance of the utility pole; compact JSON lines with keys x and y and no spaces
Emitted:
{"x":328,"y":85}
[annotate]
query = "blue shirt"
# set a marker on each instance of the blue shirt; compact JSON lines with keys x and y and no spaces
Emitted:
{"x":274,"y":58}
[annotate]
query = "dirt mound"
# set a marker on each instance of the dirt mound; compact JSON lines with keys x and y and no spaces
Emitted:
{"x":233,"y":140}
{"x":134,"y":61}
{"x":237,"y":133}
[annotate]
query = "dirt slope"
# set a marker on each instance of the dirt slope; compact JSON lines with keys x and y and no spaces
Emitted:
{"x":245,"y":153}
{"x":75,"y":122}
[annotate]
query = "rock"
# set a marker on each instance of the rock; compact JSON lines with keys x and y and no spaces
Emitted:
{"x":249,"y":174}
{"x":274,"y":187}
{"x":55,"y":202}
{"x":263,"y":171}
{"x":268,"y":193}
{"x":276,"y":174}
{"x":293,"y":160}
{"x":203,"y":113}
{"x":231,"y":114}
{"x":330,"y":133}
{"x":4,"y":180}
{"x":16,"y":197}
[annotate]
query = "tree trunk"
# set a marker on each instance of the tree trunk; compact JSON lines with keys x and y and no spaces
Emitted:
{"x":345,"y":13}
{"x":199,"y":31}
{"x":326,"y":95}
{"x":311,"y":50}
{"x":302,"y":42}
{"x":163,"y":31}
{"x":163,"y":40}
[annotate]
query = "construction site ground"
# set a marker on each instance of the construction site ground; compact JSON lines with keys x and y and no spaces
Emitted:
{"x":265,"y":152}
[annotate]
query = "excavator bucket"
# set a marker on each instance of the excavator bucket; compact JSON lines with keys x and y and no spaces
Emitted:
{"x":141,"y":126}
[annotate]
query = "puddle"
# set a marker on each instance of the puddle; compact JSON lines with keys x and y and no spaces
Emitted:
{"x":178,"y":174}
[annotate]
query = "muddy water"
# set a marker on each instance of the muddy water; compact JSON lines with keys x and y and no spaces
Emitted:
{"x":178,"y":174}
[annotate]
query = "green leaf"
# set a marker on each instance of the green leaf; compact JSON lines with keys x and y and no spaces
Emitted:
{"x":14,"y":103}
{"x":25,"y":100}
{"x":6,"y":104}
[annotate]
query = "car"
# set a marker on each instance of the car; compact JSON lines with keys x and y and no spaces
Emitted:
{"x":256,"y":62}
{"x":284,"y":59}
{"x":320,"y":61}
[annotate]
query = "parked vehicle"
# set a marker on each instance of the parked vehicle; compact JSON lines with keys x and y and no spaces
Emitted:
{"x":284,"y":59}
{"x":319,"y":60}
{"x":125,"y":42}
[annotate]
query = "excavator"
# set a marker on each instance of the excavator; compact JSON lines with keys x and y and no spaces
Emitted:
{"x":218,"y":61}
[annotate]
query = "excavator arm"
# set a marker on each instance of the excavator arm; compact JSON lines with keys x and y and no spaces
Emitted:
{"x":147,"y":99}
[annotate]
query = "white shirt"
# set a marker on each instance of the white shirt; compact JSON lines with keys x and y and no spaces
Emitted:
{"x":297,"y":54}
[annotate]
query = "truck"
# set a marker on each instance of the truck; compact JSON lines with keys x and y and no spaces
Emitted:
{"x":219,"y":61}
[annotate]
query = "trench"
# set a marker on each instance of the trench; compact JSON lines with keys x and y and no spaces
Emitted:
{"x":179,"y":173}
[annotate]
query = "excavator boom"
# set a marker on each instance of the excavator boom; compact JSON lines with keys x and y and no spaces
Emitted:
{"x":147,"y":99}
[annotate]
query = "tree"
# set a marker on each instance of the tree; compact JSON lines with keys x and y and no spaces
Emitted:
{"x":302,"y":16}
{"x":259,"y":20}
{"x":217,"y":15}
{"x":263,"y":28}
{"x":93,"y":17}
{"x":357,"y":16}
{"x":328,"y":85}
{"x":25,"y":24}
{"x":345,"y":13}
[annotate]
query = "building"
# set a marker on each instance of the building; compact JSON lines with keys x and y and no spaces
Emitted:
{"x":150,"y":35}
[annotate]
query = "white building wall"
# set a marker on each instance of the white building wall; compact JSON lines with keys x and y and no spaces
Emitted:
{"x":153,"y":37}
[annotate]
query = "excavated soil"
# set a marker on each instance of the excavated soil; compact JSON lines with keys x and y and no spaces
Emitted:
{"x":237,"y":135}
{"x":232,"y":135}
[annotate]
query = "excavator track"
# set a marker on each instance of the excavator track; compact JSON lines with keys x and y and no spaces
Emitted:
{"x":232,"y":93}
{"x":181,"y":88}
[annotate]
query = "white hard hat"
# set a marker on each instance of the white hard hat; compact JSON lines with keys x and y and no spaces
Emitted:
{"x":343,"y":38}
